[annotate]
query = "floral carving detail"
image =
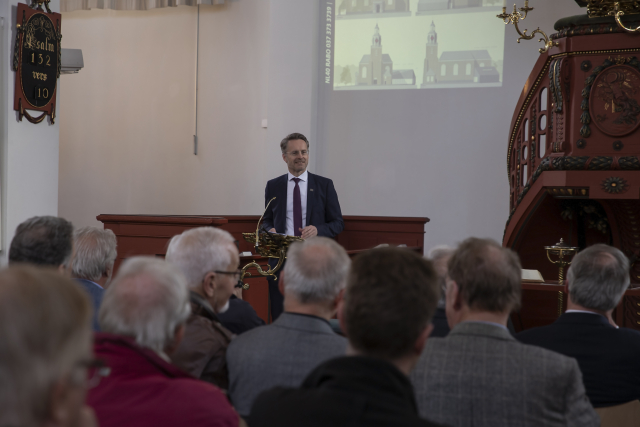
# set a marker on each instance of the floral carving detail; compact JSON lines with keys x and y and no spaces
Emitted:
{"x":614,"y":185}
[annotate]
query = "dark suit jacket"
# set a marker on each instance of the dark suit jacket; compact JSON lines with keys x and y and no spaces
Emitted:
{"x":353,"y":391}
{"x":95,"y":292}
{"x":240,"y":317}
{"x":323,"y":208}
{"x":609,"y":358}
{"x":440,"y":324}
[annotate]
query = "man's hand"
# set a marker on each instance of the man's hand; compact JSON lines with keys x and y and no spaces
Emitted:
{"x":273,"y":230}
{"x":308,"y":232}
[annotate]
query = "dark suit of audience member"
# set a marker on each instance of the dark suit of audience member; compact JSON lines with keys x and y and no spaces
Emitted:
{"x":319,"y":206}
{"x":283,"y":353}
{"x":479,"y":375}
{"x":609,"y":358}
{"x":440,"y":324}
{"x":386,"y":315}
{"x":95,"y":292}
{"x":202,"y":350}
{"x":208,"y":258}
{"x":240,"y":317}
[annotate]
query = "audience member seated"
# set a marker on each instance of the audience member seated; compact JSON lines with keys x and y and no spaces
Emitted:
{"x":143,"y":317}
{"x":208,"y":257}
{"x":44,"y":241}
{"x":440,"y":256}
{"x":390,"y":298}
{"x":283,"y":353}
{"x":609,"y":357}
{"x":45,"y":350}
{"x":240,"y":317}
{"x":92,"y":265}
{"x":479,"y":375}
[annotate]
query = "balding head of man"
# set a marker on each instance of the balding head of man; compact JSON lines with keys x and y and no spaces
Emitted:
{"x":314,"y":277}
{"x":483,"y":284}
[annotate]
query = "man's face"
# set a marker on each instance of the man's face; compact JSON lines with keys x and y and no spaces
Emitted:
{"x":226,"y":282}
{"x":296,"y":161}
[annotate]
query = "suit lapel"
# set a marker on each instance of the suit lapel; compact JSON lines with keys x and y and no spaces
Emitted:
{"x":311,"y":190}
{"x":281,"y":198}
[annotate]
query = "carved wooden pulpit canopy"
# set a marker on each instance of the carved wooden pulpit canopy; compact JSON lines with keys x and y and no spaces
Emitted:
{"x":573,"y":156}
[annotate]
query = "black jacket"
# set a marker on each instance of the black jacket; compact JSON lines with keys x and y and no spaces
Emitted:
{"x":349,"y":391}
{"x":609,"y":358}
{"x":240,"y":317}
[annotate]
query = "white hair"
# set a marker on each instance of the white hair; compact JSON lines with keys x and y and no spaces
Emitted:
{"x":316,"y":270}
{"x":201,"y":250}
{"x":95,"y":252}
{"x":147,"y":300}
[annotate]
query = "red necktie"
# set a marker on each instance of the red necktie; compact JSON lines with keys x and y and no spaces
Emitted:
{"x":297,"y":209}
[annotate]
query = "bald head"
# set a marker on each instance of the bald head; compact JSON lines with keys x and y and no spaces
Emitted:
{"x":488,"y":276}
{"x":316,"y":270}
{"x":147,"y":301}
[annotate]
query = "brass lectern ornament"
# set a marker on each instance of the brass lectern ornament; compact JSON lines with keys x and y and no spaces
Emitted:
{"x":266,"y":244}
{"x":515,"y":17}
{"x":561,"y":250}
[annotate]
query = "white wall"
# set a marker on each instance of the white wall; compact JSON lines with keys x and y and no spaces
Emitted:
{"x":434,"y":153}
{"x":29,"y":151}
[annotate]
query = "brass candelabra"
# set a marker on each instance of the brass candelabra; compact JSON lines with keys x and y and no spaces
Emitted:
{"x":516,"y":16}
{"x":561,"y":250}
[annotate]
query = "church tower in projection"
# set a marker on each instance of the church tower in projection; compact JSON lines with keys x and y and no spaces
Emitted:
{"x":376,"y":68}
{"x":431,"y":58}
{"x":376,"y":56}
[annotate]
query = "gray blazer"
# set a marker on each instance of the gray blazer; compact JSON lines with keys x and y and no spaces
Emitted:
{"x":280,"y":354}
{"x":480,"y":376}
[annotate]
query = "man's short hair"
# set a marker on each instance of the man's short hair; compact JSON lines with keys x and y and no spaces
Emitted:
{"x":437,"y":255}
{"x":316,"y":270}
{"x":42,"y":240}
{"x":489,"y":277}
{"x":95,"y":252}
{"x":292,"y":137}
{"x":45,"y":332}
{"x":598,"y":277}
{"x":199,"y":251}
{"x":390,"y":299}
{"x":147,"y":300}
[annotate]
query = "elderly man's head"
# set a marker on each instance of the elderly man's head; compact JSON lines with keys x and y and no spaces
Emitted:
{"x":483,"y":277}
{"x":43,"y":240}
{"x":315,"y":274}
{"x":598,"y":277}
{"x":148,"y":300}
{"x":95,"y":253}
{"x":440,"y":256}
{"x":208,"y":257}
{"x":390,"y":299}
{"x":45,"y":348}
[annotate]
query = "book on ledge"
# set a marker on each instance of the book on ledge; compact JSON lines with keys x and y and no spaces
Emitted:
{"x":531,"y":276}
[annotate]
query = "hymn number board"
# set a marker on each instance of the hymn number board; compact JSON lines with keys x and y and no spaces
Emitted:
{"x":36,"y":61}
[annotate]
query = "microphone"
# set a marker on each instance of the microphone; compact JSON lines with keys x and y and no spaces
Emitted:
{"x":258,"y":226}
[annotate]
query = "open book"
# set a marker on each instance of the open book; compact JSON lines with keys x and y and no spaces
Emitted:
{"x":532,"y":276}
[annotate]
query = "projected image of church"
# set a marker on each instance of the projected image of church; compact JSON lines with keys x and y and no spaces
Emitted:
{"x":380,"y":8}
{"x":376,"y":68}
{"x":465,"y":66}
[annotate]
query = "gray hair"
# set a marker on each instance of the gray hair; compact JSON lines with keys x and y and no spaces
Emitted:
{"x":147,"y":300}
{"x":95,"y":252}
{"x":598,"y":277}
{"x":316,"y":270}
{"x":45,"y":332}
{"x":436,"y":255}
{"x":201,"y":250}
{"x":42,"y":240}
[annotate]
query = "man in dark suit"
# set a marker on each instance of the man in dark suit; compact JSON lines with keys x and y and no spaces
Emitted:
{"x":92,"y":264}
{"x":389,"y":300}
{"x":608,"y":356}
{"x":305,"y":204}
{"x":440,"y":257}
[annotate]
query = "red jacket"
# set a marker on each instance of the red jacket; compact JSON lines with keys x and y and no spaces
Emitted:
{"x":144,"y":390}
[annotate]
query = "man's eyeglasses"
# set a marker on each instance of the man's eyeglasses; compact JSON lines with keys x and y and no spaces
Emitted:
{"x":96,"y":370}
{"x":236,"y":273}
{"x":295,"y":153}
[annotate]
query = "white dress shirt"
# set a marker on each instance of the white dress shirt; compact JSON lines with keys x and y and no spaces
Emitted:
{"x":304,"y":178}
